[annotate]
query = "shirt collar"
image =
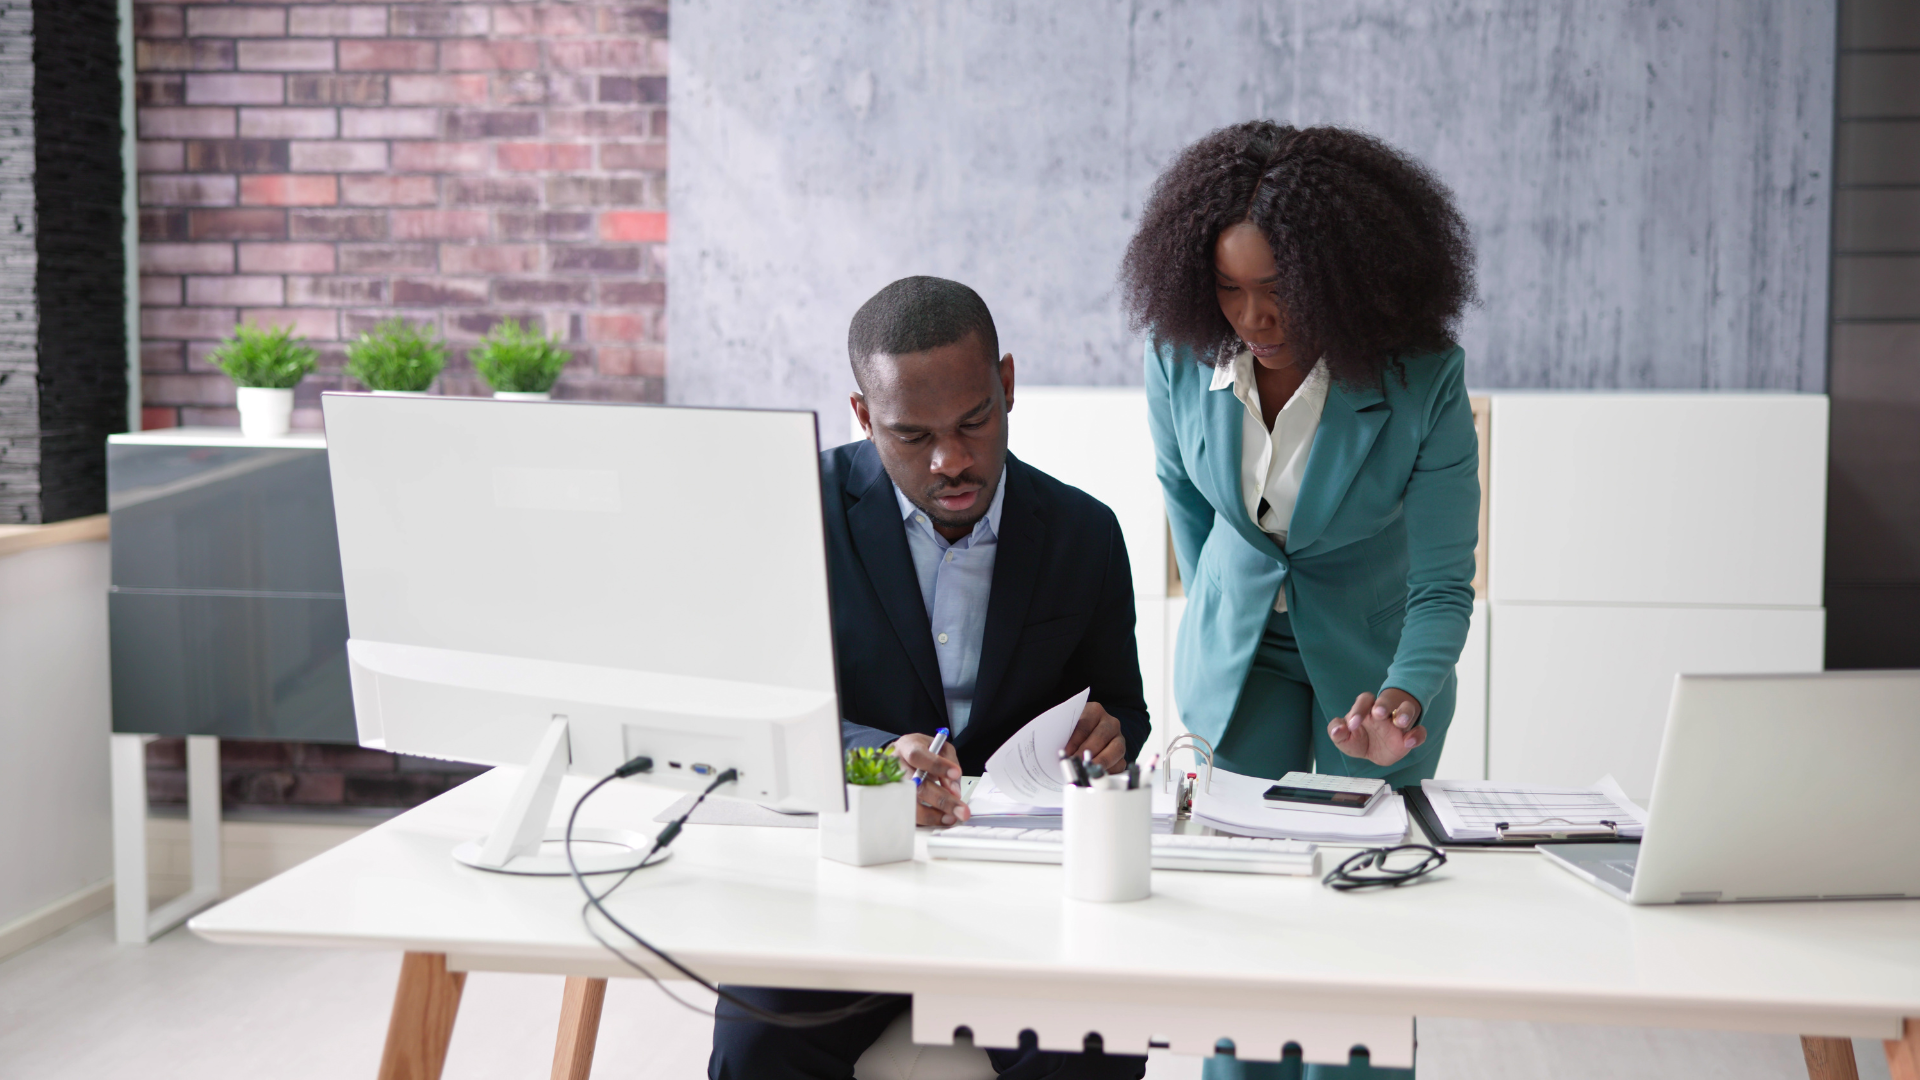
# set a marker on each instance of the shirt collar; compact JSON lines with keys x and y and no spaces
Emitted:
{"x":990,"y":523}
{"x":1240,"y":373}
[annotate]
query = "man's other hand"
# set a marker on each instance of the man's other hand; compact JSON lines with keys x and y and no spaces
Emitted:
{"x":1099,"y":732}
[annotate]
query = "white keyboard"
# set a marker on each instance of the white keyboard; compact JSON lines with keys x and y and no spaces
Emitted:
{"x":1175,"y":851}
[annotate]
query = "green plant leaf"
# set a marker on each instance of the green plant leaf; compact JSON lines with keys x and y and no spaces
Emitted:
{"x":397,"y":355}
{"x":270,"y":358}
{"x":516,"y":360}
{"x":868,"y":766}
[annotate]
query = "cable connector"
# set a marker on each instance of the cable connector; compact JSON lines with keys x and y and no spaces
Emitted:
{"x":640,"y":764}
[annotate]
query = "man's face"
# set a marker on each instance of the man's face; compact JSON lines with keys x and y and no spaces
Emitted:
{"x":939,"y":420}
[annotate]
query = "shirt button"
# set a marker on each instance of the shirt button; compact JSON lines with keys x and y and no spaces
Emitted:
{"x":949,"y":556}
{"x":943,"y":639}
{"x":921,"y":518}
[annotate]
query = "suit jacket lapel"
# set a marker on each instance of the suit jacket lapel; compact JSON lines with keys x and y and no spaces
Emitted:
{"x":1350,"y":422}
{"x":1016,"y":568}
{"x":880,"y":539}
{"x":1221,"y":417}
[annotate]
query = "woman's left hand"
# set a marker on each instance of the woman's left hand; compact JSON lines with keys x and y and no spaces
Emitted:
{"x":1382,"y":730}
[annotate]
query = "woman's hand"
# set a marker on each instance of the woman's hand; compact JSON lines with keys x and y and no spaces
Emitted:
{"x":1383,"y":731}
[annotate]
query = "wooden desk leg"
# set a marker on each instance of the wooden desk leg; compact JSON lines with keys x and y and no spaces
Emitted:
{"x":424,"y":1006}
{"x":1828,"y":1059}
{"x":579,"y":1028}
{"x":1903,"y":1054}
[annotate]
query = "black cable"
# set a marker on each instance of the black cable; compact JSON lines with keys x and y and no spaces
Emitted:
{"x":667,"y":835}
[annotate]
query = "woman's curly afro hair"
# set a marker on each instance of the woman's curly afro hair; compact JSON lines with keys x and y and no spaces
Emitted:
{"x":1375,"y":262}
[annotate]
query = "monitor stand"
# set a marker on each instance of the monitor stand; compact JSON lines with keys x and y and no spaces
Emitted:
{"x":515,"y":844}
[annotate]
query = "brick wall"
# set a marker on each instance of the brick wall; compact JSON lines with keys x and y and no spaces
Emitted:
{"x":328,"y":166}
{"x":257,"y":773}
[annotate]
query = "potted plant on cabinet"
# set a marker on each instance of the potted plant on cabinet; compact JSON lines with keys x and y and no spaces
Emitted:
{"x":518,"y":363}
{"x":878,"y":825}
{"x":397,"y":357}
{"x":265,"y":365}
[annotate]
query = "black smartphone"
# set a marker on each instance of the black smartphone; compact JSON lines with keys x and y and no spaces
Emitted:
{"x":1317,"y":796}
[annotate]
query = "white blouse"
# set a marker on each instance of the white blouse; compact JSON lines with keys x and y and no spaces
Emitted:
{"x":1273,"y":462}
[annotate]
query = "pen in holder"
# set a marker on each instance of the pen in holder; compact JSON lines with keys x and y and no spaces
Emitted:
{"x":1108,"y":842}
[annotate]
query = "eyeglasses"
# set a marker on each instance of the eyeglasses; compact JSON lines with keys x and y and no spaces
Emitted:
{"x":1387,"y":868}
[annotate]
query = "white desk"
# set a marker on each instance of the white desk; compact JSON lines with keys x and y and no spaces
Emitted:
{"x":993,"y":946}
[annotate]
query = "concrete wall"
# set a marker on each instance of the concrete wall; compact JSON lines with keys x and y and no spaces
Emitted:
{"x":1648,"y":181}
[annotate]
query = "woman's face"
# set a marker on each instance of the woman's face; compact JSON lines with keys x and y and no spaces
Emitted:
{"x":1244,"y":275}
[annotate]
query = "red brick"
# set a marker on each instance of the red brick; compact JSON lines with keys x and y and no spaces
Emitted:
{"x":337,"y":20}
{"x":288,"y":124}
{"x":159,"y":291}
{"x":633,"y":225}
{"x":599,"y":123}
{"x":186,"y":123}
{"x":597,"y":191}
{"x":235,"y":290}
{"x":628,"y":293}
{"x":355,"y":323}
{"x":633,"y":90}
{"x":336,"y":290}
{"x":489,"y":258}
{"x":537,"y":291}
{"x":439,"y":292}
{"x":152,"y":419}
{"x":188,"y":389}
{"x":176,"y":190}
{"x":492,"y":191}
{"x":545,"y":157}
{"x":162,"y":224}
{"x":286,"y":258}
{"x":634,"y":20}
{"x":153,"y":21}
{"x":390,"y":123}
{"x":337,"y":225}
{"x":441,"y":157}
{"x":544,"y":88}
{"x":616,"y":327}
{"x":286,"y":56}
{"x":246,"y":224}
{"x":464,"y":20}
{"x":367,"y":257}
{"x":338,"y":156}
{"x":237,"y":21}
{"x":553,"y":225}
{"x":651,"y":156}
{"x":186,"y":322}
{"x":661,"y":125}
{"x":613,"y":54}
{"x":630,"y":360}
{"x":389,"y":190}
{"x":595,"y":259}
{"x":320,"y":324}
{"x":163,"y":356}
{"x":336,"y":89}
{"x":471,"y":325}
{"x":160,"y":157}
{"x":284,"y":190}
{"x":388,"y":55}
{"x":236,"y":155}
{"x":151,"y":90}
{"x":469,"y":54}
{"x":437,"y":89}
{"x":183,"y":55}
{"x":440,"y":225}
{"x":521,"y":21}
{"x":186,"y":258}
{"x":493,"y":124}
{"x":205,"y":88}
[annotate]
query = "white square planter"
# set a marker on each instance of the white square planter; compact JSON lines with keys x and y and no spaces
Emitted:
{"x":877,"y":827}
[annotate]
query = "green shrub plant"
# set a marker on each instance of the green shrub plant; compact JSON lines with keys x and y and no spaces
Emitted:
{"x":270,"y":358}
{"x":397,"y":355}
{"x":869,"y":766}
{"x":517,"y":360}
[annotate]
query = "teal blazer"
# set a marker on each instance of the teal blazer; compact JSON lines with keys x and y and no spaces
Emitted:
{"x":1378,"y":564}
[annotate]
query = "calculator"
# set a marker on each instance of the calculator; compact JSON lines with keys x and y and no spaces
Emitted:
{"x":1325,"y":794}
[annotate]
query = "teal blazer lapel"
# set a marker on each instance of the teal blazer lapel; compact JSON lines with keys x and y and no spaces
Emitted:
{"x":1349,"y":423}
{"x":1221,"y":417}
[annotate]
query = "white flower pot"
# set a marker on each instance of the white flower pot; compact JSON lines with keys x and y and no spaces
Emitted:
{"x":401,"y":393}
{"x":877,"y":827}
{"x":523,"y":395}
{"x":265,"y":413}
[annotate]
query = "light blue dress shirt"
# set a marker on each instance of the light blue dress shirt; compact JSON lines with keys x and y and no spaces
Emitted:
{"x":956,"y":581}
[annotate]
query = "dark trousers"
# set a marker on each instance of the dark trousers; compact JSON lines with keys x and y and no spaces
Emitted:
{"x":745,"y":1049}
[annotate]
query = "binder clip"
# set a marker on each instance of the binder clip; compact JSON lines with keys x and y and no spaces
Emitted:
{"x":1202,"y":755}
{"x":1544,"y":829}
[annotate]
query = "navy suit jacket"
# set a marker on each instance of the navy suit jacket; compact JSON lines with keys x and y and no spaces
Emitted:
{"x":1060,"y":618}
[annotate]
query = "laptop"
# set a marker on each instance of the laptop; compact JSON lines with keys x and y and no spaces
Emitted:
{"x":1775,"y":787}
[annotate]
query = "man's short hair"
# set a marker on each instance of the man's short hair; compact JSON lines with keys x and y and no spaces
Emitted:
{"x":916,"y":314}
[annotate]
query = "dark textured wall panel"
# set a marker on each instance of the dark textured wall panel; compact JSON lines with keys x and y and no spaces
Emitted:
{"x":19,"y":322}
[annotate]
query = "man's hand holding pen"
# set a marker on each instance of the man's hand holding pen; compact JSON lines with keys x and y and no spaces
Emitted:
{"x":939,"y":795}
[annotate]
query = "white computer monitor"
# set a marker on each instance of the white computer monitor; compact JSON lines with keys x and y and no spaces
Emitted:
{"x":567,"y":586}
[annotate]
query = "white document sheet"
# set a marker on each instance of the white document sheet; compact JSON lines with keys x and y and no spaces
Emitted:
{"x":1469,"y":809}
{"x":1236,"y":804}
{"x":1026,"y":768}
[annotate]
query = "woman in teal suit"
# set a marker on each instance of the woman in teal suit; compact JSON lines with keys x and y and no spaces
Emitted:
{"x":1300,"y":289}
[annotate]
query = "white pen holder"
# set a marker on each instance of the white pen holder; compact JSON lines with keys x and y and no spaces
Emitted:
{"x":1108,"y":843}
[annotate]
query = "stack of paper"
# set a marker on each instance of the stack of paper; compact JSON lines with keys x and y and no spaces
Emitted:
{"x":1470,"y":809}
{"x":1236,"y":804}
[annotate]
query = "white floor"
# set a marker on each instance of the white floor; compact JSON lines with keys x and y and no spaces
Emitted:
{"x":78,"y":1007}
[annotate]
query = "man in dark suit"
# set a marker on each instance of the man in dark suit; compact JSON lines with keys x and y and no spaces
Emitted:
{"x":970,"y":591}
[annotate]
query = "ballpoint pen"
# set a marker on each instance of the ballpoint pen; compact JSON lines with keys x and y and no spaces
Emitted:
{"x":939,"y":741}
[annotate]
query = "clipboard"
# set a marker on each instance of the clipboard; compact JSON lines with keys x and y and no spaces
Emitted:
{"x":1525,"y":835}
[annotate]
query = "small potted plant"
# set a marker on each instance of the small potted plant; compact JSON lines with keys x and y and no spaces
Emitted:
{"x":518,"y":363}
{"x":878,"y":825}
{"x":397,"y":357}
{"x":265,"y":366}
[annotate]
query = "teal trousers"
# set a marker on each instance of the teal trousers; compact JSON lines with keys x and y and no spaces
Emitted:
{"x":1278,"y":726}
